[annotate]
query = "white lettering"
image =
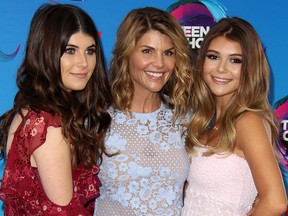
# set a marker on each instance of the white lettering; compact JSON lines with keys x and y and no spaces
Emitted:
{"x":285,"y":135}
{"x":195,"y":42}
{"x":285,"y":124}
{"x":195,"y":31}
{"x":187,"y":31}
{"x":195,"y":35}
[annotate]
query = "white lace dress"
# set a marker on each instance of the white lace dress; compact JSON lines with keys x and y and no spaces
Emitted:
{"x":147,"y":177}
{"x":219,"y":185}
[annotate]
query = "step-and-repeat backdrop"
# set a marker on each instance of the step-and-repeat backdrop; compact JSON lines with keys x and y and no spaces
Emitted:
{"x":196,"y":16}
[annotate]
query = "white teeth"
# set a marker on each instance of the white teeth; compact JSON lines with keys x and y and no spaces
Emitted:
{"x":221,"y":80}
{"x":154,"y":74}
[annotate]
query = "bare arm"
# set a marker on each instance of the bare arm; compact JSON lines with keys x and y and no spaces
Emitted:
{"x":253,"y":138}
{"x":54,"y":167}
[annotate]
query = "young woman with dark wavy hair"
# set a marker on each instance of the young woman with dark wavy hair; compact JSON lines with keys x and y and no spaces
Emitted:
{"x":53,"y":135}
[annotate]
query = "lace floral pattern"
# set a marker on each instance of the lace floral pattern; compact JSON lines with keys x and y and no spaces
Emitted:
{"x":21,"y":188}
{"x":147,"y":176}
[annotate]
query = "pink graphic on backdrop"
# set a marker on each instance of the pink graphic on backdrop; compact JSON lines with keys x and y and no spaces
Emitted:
{"x":193,"y":14}
{"x":196,"y":17}
{"x":8,"y":57}
{"x":281,"y":111}
{"x":55,"y":2}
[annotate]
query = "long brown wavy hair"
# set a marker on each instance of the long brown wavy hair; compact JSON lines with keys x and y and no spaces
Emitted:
{"x":83,"y":115}
{"x":252,"y":94}
{"x":133,"y":27}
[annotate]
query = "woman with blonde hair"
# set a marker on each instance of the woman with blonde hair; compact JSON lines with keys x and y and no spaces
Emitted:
{"x":150,"y":77}
{"x":232,"y":131}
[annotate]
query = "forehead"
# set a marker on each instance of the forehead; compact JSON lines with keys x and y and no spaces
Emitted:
{"x":224,"y":44}
{"x":81,"y":38}
{"x":155,"y":38}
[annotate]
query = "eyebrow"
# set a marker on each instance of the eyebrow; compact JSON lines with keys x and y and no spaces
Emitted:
{"x":147,"y":46}
{"x":234,"y":54}
{"x":91,"y":46}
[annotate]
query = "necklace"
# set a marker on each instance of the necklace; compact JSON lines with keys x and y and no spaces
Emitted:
{"x":215,"y":128}
{"x":210,"y":135}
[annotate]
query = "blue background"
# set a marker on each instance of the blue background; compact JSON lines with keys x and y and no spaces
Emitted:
{"x":267,"y":17}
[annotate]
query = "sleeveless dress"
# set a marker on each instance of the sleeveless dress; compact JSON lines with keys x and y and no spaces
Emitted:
{"x":148,"y":174}
{"x":219,"y":185}
{"x":21,"y":188}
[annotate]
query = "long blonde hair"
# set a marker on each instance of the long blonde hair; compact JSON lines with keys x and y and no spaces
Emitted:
{"x":252,"y":94}
{"x":133,"y":27}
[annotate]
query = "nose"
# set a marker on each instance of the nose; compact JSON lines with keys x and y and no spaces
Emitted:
{"x":82,"y":60}
{"x":158,"y":61}
{"x":222,"y":67}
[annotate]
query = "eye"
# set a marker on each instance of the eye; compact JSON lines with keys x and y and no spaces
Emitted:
{"x":169,"y":53}
{"x":213,"y":57}
{"x":70,"y":50}
{"x":147,"y":51}
{"x":236,"y":61}
{"x":91,"y":51}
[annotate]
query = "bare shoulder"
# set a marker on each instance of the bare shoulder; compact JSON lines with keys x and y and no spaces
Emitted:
{"x":249,"y":118}
{"x":251,"y":122}
{"x":254,"y":139}
{"x":252,"y":128}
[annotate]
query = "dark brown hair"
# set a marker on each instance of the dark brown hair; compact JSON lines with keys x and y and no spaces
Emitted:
{"x":83,"y":115}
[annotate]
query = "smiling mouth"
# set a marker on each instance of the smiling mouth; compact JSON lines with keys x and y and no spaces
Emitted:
{"x":153,"y":74}
{"x":80,"y":75}
{"x":220,"y":80}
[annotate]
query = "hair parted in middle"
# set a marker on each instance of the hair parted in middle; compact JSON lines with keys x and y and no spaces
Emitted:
{"x":133,"y":27}
{"x":252,"y":94}
{"x":83,"y":114}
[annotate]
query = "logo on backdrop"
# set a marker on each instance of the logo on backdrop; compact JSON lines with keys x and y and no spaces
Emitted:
{"x":56,"y":2}
{"x":8,"y":57}
{"x":196,"y":18}
{"x":281,"y":111}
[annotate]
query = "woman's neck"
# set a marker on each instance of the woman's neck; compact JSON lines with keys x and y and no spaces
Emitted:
{"x":146,"y":104}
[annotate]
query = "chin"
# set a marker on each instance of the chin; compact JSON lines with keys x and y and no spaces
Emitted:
{"x":77,"y":88}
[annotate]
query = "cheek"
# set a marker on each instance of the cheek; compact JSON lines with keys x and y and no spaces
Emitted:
{"x":205,"y":73}
{"x":205,"y":77}
{"x":62,"y":71}
{"x":207,"y":67}
{"x":64,"y":65}
{"x":136,"y":64}
{"x":92,"y":63}
{"x":171,"y":64}
{"x":237,"y":71}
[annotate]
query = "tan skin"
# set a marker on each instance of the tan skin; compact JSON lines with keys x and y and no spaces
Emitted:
{"x":151,"y":64}
{"x":221,"y":72}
